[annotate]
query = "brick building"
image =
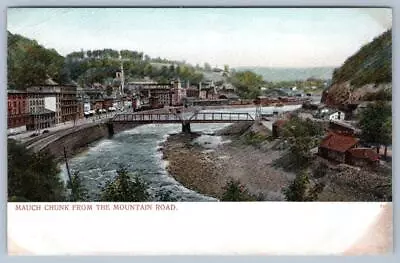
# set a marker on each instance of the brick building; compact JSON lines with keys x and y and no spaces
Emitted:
{"x":18,"y":110}
{"x":160,"y":91}
{"x":192,"y":92}
{"x":69,"y":103}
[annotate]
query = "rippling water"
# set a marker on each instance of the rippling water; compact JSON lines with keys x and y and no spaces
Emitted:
{"x":138,"y":151}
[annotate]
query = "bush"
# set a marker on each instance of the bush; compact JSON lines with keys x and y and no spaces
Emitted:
{"x":33,"y":176}
{"x":254,"y":138}
{"x":78,"y":190}
{"x":235,"y":191}
{"x":300,"y":190}
{"x":125,"y":188}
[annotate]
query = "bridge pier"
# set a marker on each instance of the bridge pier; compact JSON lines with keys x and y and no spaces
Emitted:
{"x":186,"y":127}
{"x":110,"y":127}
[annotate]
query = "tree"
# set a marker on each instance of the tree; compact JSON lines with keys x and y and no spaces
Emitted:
{"x":125,"y":188}
{"x":78,"y":190}
{"x":247,"y":83}
{"x":386,"y":138}
{"x":302,"y":136}
{"x":300,"y":190}
{"x":375,"y":123}
{"x":33,"y":176}
{"x":235,"y":191}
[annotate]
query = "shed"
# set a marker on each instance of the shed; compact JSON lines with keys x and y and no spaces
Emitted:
{"x":362,"y":157}
{"x":334,"y":146}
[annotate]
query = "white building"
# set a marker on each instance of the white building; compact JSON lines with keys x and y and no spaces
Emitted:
{"x":337,"y":115}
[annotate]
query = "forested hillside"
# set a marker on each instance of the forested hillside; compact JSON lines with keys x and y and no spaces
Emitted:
{"x":365,"y":76}
{"x":371,"y":64}
{"x":29,"y":63}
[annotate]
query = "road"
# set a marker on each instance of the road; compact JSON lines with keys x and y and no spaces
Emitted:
{"x":25,"y":137}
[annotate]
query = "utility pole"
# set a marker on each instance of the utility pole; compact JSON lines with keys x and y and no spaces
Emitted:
{"x":69,"y":175}
{"x":258,"y":109}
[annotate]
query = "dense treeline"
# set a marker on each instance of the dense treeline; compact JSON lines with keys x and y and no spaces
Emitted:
{"x":371,"y":64}
{"x":30,"y":64}
{"x":101,"y":65}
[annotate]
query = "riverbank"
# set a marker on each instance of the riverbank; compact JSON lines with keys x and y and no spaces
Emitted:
{"x":206,"y":168}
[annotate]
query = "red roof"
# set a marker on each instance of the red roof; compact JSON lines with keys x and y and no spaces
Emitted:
{"x":364,"y":153}
{"x":338,"y":142}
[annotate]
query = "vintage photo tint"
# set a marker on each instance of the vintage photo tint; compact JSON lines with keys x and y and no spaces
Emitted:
{"x":153,"y":110}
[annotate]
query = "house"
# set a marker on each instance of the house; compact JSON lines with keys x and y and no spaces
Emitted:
{"x":330,"y":114}
{"x":336,"y":115}
{"x":363,"y":157}
{"x":277,"y":128}
{"x":343,"y":127}
{"x":334,"y":146}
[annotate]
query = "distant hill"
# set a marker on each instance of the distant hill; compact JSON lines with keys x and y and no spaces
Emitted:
{"x":290,"y":74}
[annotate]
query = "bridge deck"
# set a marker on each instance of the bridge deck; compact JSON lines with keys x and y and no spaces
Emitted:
{"x":202,"y":117}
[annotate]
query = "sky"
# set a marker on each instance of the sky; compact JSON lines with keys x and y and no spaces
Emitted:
{"x":264,"y":37}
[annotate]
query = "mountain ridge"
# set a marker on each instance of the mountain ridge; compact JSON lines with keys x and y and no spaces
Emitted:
{"x":274,"y":74}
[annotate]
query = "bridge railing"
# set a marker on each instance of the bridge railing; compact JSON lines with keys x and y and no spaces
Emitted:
{"x":126,"y":117}
{"x":169,"y":117}
{"x":223,"y":116}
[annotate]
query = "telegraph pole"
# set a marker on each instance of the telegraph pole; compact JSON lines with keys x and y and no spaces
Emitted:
{"x":257,"y":102}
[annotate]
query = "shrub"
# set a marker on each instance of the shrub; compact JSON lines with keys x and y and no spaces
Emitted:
{"x":235,"y":191}
{"x":125,"y":188}
{"x":78,"y":190}
{"x":300,"y":190}
{"x":33,"y":176}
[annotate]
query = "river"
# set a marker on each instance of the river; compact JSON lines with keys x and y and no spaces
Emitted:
{"x":138,"y":151}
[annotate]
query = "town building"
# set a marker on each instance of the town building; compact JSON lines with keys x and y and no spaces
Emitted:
{"x":192,"y":92}
{"x":62,"y":99}
{"x":18,"y":111}
{"x":41,"y":120}
{"x":162,"y":92}
{"x":330,"y":114}
{"x":69,"y":103}
{"x":335,"y":146}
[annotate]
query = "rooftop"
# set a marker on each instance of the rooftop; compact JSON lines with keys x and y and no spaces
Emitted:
{"x":338,"y":142}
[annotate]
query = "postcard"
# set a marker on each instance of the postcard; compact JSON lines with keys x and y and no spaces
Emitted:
{"x":199,"y":131}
